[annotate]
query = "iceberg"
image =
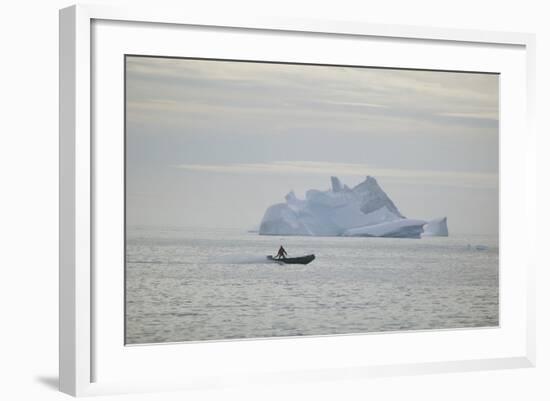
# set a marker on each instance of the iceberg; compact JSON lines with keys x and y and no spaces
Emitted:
{"x":436,"y":228}
{"x":364,"y":210}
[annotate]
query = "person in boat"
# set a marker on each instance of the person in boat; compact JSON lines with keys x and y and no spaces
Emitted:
{"x":281,"y":254}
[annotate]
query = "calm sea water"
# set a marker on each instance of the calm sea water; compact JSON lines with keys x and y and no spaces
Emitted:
{"x":197,"y":284}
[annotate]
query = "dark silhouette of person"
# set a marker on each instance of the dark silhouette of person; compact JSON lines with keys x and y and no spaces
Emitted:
{"x":282,"y":253}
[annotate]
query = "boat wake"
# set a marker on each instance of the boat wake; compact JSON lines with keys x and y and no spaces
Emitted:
{"x":239,"y":260}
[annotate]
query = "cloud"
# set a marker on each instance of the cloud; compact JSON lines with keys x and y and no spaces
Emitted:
{"x":482,"y":115}
{"x":168,"y":92}
{"x":357,"y":104}
{"x":409,"y":176}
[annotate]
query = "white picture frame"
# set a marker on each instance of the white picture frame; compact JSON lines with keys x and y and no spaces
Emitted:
{"x":82,"y":345}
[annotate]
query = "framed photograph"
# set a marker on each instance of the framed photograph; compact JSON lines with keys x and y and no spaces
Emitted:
{"x":279,"y":200}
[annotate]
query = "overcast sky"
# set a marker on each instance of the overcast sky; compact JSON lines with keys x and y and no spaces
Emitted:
{"x":214,"y":143}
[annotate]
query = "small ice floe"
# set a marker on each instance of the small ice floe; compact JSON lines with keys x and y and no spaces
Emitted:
{"x":478,"y":247}
{"x":436,"y":228}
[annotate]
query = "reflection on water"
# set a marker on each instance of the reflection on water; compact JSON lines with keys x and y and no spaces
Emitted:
{"x":196,"y":284}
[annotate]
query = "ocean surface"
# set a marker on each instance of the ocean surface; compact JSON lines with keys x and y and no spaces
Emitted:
{"x":200,"y":284}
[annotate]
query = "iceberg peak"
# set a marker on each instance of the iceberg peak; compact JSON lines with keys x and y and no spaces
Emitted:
{"x":336,"y":184}
{"x":373,"y":197}
{"x":291,"y":196}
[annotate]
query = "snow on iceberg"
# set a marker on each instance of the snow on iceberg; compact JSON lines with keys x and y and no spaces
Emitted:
{"x":436,"y":228}
{"x":365,"y":210}
{"x":402,"y":228}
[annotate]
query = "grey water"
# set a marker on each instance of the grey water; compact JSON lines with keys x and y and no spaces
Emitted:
{"x":212,"y":284}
